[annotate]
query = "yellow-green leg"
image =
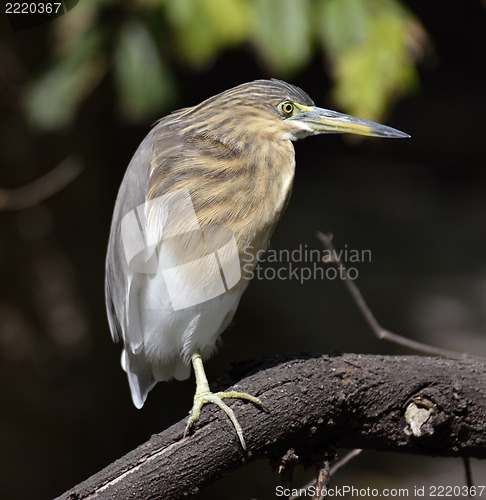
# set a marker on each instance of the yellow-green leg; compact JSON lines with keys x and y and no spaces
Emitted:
{"x":204,"y":395}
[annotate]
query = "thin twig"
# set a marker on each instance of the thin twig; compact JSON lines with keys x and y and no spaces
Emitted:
{"x":380,"y":333}
{"x":42,"y":188}
{"x":469,"y":479}
{"x":345,"y":460}
{"x":339,"y":463}
{"x":286,"y":476}
{"x":286,"y":470}
{"x":323,"y":476}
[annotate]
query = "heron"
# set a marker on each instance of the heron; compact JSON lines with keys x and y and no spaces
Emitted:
{"x":207,"y":183}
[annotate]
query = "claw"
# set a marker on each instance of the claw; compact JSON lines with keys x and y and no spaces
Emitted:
{"x":204,"y":395}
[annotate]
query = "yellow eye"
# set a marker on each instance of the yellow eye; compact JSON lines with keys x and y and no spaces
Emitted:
{"x":286,"y":108}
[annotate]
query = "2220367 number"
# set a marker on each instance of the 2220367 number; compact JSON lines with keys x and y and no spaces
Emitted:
{"x":456,"y":491}
{"x":32,"y":8}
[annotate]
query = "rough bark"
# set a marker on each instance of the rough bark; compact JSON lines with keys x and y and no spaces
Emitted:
{"x":409,"y":404}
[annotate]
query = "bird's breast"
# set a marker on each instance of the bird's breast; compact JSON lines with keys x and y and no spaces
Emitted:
{"x":250,"y":198}
{"x":239,"y":186}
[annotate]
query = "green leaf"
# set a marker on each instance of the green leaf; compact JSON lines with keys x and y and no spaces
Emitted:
{"x":370,"y":76}
{"x":144,"y":84}
{"x":367,"y":43}
{"x":204,"y":27}
{"x":52,"y":99}
{"x":341,"y":24}
{"x":282,"y":33}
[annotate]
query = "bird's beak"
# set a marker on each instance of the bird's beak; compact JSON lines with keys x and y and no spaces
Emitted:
{"x":322,"y":121}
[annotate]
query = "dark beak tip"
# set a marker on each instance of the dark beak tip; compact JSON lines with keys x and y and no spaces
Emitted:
{"x":395,"y":134}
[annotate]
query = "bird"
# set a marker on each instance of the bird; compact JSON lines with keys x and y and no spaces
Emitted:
{"x":206,"y":185}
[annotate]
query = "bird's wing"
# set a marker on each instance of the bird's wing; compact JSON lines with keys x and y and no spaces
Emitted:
{"x":131,"y":256}
{"x":118,"y":275}
{"x":122,"y":285}
{"x":135,"y":226}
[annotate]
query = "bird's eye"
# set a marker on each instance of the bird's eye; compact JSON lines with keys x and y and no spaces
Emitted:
{"x":286,"y":108}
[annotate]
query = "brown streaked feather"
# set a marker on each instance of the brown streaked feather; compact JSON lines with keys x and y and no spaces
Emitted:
{"x":208,"y":150}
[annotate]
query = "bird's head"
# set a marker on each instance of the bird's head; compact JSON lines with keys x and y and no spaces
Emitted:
{"x":275,"y":110}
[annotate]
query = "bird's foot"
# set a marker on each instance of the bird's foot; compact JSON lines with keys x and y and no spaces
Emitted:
{"x":204,"y":395}
{"x":217,"y":398}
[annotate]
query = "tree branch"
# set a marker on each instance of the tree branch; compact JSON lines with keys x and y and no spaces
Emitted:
{"x":409,"y":404}
{"x":42,"y":188}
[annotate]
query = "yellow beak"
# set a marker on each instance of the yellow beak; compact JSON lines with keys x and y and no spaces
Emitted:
{"x":326,"y":121}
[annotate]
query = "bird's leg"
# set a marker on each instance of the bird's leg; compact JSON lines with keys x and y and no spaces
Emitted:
{"x":204,"y":395}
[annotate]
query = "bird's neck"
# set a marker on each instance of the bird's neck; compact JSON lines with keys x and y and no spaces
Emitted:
{"x":233,"y":184}
{"x":255,"y":194}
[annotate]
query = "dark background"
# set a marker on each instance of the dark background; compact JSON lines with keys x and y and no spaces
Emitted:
{"x":418,"y":205}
